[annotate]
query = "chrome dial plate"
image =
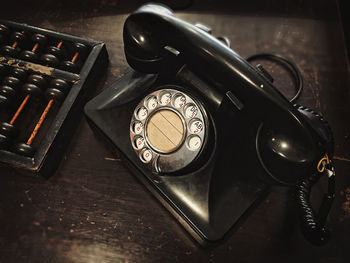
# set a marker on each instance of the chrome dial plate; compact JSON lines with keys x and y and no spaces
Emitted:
{"x":167,"y":130}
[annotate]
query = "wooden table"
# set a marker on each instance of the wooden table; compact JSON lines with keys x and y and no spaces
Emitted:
{"x":94,"y":210}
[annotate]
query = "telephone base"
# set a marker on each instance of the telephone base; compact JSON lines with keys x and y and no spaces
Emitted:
{"x":209,"y":201}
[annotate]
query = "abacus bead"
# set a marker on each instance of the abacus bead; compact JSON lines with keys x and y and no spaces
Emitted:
{"x":80,"y":47}
{"x":59,"y":84}
{"x":39,"y":38}
{"x":3,"y":101}
{"x":13,"y":82}
{"x":4,"y":29}
{"x":8,"y":129}
{"x":17,"y":36}
{"x":4,"y":142}
{"x":70,"y":66}
{"x":54,"y":51}
{"x":9,"y":51}
{"x":31,"y":89}
{"x":19,"y":73}
{"x":7,"y":91}
{"x":24,"y":149}
{"x":54,"y":94}
{"x":49,"y":59}
{"x":29,"y":56}
{"x":37,"y":80}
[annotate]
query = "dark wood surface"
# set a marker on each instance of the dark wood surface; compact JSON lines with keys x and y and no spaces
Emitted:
{"x":94,"y":210}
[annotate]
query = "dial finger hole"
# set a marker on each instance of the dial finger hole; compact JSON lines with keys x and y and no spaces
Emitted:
{"x":195,"y":126}
{"x":139,"y":143}
{"x":190,"y":110}
{"x":179,"y":101}
{"x":146,"y":155}
{"x":151,"y":103}
{"x":137,"y":127}
{"x":141,"y":113}
{"x":164,"y":98}
{"x":194,"y":142}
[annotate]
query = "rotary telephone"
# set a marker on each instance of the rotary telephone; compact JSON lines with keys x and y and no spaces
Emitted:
{"x":206,"y":131}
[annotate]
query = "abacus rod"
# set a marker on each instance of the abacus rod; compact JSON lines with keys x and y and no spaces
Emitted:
{"x":35,"y":47}
{"x":19,"y":110}
{"x":40,"y":122}
{"x":75,"y":57}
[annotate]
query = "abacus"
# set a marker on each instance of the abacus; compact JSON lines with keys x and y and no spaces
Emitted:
{"x":45,"y":79}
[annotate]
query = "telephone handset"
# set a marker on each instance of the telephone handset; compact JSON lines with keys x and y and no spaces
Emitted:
{"x":201,"y":127}
{"x":152,"y":30}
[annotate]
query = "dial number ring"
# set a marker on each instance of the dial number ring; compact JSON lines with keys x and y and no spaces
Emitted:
{"x":168,"y":129}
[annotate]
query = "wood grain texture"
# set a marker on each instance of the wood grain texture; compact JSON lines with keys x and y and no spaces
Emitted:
{"x":94,"y":210}
{"x":165,"y":130}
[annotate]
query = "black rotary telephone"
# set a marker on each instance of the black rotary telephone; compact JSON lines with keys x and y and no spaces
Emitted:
{"x":206,"y":131}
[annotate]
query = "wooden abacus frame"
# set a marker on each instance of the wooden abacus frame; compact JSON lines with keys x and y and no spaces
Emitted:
{"x":51,"y":148}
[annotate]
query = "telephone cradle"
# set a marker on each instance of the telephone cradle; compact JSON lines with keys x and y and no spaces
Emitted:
{"x":202,"y":128}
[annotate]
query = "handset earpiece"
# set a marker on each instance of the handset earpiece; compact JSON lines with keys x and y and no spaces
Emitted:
{"x":287,"y":154}
{"x":143,"y":48}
